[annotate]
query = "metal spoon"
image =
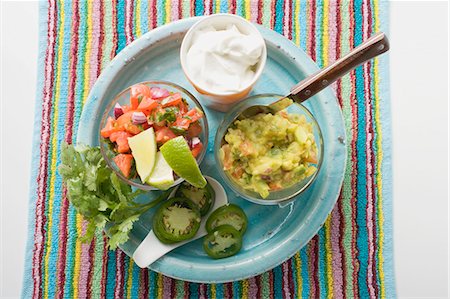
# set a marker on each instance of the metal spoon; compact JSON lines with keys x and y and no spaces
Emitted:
{"x":372,"y":47}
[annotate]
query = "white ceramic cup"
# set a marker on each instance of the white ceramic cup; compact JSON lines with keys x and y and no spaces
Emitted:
{"x":222,"y":101}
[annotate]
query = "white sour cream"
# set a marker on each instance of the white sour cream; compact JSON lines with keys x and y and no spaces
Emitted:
{"x":223,"y":61}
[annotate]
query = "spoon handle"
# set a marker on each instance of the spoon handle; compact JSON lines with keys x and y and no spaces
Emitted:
{"x":372,"y":47}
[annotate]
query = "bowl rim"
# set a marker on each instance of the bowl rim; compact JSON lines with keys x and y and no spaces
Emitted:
{"x":260,"y":65}
{"x":256,"y":198}
{"x":111,"y":105}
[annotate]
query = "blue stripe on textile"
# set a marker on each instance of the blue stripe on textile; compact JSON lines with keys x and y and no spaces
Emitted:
{"x":120,"y":19}
{"x":361,"y":238}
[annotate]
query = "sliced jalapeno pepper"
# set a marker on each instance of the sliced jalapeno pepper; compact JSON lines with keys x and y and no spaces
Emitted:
{"x":223,"y":241}
{"x":202,"y":197}
{"x":230,"y":214}
{"x":177,"y":219}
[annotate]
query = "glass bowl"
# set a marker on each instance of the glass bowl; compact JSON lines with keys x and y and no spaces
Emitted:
{"x":123,"y":98}
{"x":277,"y":197}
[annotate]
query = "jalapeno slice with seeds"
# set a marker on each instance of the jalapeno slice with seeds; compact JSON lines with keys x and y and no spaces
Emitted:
{"x":177,"y":219}
{"x":223,"y":241}
{"x":231,"y":215}
{"x":203,"y":197}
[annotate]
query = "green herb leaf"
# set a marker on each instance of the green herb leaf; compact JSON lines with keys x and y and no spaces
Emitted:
{"x":99,"y":195}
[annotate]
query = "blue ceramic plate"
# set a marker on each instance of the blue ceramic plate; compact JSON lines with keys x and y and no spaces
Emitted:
{"x":274,"y":233}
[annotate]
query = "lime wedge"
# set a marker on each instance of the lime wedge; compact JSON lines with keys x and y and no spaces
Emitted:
{"x":162,"y":175}
{"x":143,"y":148}
{"x":178,"y":155}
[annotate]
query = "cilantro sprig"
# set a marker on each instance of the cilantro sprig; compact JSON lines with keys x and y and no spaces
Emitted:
{"x":99,"y":195}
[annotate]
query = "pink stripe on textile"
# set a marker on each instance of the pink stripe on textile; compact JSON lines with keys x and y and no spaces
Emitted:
{"x":85,"y":266}
{"x":254,"y":11}
{"x":332,"y":32}
{"x":313,"y":267}
{"x":152,"y":13}
{"x":143,"y":284}
{"x":202,"y":291}
{"x":167,"y":287}
{"x":114,"y":25}
{"x":208,"y":7}
{"x":272,"y":13}
{"x":39,"y":233}
{"x":365,"y":10}
{"x":252,"y":288}
{"x":285,"y":281}
{"x":129,"y":21}
{"x":337,"y":254}
{"x":175,"y":7}
{"x":286,"y":18}
{"x":96,"y":18}
{"x":104,"y":266}
{"x":338,"y":274}
{"x":118,"y":290}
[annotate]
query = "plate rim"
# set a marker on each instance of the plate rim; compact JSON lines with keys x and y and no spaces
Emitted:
{"x":110,"y":72}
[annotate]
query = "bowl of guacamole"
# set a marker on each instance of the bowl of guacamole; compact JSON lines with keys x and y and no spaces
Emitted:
{"x":269,"y":158}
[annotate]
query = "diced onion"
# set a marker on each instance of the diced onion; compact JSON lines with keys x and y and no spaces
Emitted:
{"x":195,"y":141}
{"x":118,"y":111}
{"x":138,"y":118}
{"x":159,"y":92}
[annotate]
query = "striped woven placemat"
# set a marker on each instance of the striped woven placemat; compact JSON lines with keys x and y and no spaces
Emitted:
{"x":350,"y":257}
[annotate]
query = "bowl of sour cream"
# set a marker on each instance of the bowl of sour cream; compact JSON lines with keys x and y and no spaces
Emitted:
{"x":222,"y":56}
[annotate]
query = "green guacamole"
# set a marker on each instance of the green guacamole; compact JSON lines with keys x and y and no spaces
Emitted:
{"x":269,"y":152}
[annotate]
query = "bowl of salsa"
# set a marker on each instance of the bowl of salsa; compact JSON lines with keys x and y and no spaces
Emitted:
{"x":164,"y":108}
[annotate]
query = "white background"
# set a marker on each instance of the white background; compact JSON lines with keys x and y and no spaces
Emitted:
{"x":419,"y":96}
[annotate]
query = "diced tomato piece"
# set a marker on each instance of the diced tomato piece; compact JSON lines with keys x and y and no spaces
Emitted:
{"x":106,"y":131}
{"x":157,"y":128}
{"x":197,"y":149}
{"x":183,"y":107}
{"x":275,"y":186}
{"x":312,"y":158}
{"x":238,"y":172}
{"x":124,"y":161}
{"x":125,"y":123}
{"x":121,"y":139}
{"x":138,"y":90}
{"x":116,"y":135}
{"x":160,"y":124}
{"x":125,"y":118}
{"x":194,"y":129}
{"x":195,"y":114}
{"x":246,"y":148}
{"x":126,"y":108}
{"x":147,"y":104}
{"x":110,"y":127}
{"x":134,"y":103}
{"x":164,"y":134}
{"x":145,"y":126}
{"x":227,"y":162}
{"x":171,"y":100}
{"x":283,"y":114}
{"x":182,"y":123}
{"x":133,"y":129}
{"x":122,"y":145}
